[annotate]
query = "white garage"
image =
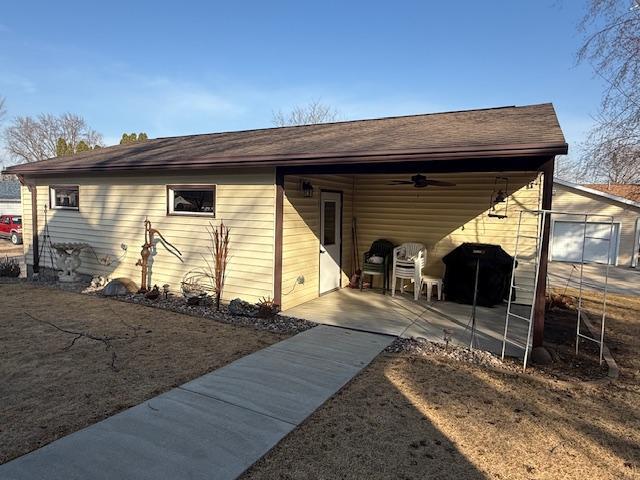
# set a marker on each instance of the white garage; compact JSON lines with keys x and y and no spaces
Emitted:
{"x":601,"y":241}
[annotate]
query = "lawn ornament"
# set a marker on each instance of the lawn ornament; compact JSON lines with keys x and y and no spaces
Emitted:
{"x":145,"y":253}
{"x":68,"y":260}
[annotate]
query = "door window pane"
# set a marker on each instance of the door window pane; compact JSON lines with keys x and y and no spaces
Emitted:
{"x":329,"y":233}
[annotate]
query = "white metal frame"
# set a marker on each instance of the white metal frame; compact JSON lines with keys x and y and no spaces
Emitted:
{"x":543,"y":215}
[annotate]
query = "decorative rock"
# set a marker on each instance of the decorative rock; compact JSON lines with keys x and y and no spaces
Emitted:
{"x":97,"y":282}
{"x":194,"y":300}
{"x":119,"y":286}
{"x":238,"y":306}
{"x":424,"y":348}
{"x":541,"y":356}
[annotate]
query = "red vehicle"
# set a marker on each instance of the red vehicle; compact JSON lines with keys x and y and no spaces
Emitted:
{"x":11,"y":227}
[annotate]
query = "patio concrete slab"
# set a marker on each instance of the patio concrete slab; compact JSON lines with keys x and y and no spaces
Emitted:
{"x":390,"y":315}
{"x":371,"y":311}
{"x":216,"y":426}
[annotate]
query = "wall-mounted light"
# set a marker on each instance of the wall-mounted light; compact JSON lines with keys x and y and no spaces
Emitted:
{"x":499,"y":201}
{"x":306,"y":188}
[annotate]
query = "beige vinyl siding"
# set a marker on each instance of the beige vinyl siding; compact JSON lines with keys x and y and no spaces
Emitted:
{"x":113,"y":209}
{"x":301,"y":233}
{"x":443,"y":218}
{"x":567,"y":199}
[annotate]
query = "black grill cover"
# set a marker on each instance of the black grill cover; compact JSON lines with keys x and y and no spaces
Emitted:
{"x":494,"y":277}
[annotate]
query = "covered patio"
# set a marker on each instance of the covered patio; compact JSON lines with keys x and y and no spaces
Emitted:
{"x":401,"y":316}
{"x":433,"y":181}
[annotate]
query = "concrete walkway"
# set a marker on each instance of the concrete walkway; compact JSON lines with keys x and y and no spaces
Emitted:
{"x":622,"y":280}
{"x":214,"y":427}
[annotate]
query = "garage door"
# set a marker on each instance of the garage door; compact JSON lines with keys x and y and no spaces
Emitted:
{"x":568,"y":237}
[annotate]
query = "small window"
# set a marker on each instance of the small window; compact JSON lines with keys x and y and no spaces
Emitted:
{"x":65,"y":197}
{"x":192,"y":200}
{"x":17,"y":220}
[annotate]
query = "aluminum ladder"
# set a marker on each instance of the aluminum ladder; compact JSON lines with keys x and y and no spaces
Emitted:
{"x":542,"y":216}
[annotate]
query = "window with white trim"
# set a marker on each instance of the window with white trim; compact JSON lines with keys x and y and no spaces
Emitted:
{"x":191,"y":200}
{"x":64,"y":197}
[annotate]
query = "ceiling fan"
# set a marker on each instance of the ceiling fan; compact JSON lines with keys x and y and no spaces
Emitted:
{"x":420,"y":181}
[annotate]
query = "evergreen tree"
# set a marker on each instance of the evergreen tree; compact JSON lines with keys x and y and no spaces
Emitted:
{"x":82,"y":147}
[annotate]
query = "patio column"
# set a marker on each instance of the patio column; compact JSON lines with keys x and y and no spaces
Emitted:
{"x":539,"y":307}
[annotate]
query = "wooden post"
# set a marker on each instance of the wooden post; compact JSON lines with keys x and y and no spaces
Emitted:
{"x":277,"y":264}
{"x":539,"y":307}
{"x":35,"y":244}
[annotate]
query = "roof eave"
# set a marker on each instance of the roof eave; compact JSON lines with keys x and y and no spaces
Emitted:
{"x":593,"y":191}
{"x":479,"y":152}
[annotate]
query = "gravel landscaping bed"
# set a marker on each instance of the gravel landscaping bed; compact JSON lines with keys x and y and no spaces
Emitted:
{"x":425,"y":348}
{"x":176,"y":303}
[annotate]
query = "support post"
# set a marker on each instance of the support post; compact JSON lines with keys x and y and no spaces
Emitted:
{"x":35,"y":244}
{"x":277,"y":264}
{"x":539,"y":307}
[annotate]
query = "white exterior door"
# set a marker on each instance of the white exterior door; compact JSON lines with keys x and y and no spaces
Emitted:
{"x":330,"y":241}
{"x":568,"y":238}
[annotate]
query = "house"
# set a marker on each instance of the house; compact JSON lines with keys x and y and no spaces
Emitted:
{"x":9,"y":196}
{"x":623,"y":228}
{"x":292,"y":195}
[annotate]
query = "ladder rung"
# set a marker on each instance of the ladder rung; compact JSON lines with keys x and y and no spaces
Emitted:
{"x":589,"y":338}
{"x":529,"y":236}
{"x":522,"y":288}
{"x":517,"y":344}
{"x":519,"y":316}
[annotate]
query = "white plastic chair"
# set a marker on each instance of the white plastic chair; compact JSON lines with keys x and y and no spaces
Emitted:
{"x":408,"y":261}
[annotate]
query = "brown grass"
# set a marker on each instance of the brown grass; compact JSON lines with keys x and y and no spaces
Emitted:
{"x":413,"y":418}
{"x":622,"y":328}
{"x":47,"y":392}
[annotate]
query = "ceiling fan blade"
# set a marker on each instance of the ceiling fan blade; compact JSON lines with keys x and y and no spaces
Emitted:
{"x":440,"y":183}
{"x":400,"y":182}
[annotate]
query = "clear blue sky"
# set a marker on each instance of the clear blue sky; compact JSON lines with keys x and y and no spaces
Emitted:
{"x":196,"y":67}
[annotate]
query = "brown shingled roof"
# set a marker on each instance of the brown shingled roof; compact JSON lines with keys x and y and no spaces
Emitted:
{"x":507,"y":131}
{"x":630,"y":191}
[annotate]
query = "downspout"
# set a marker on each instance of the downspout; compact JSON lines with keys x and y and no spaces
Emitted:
{"x":539,"y":307}
{"x":277,"y":264}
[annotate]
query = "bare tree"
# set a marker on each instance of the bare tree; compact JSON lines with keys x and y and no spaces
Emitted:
{"x":612,"y":47}
{"x":3,"y":114}
{"x":3,"y":108}
{"x":569,"y":169}
{"x":29,"y":139}
{"x":312,"y":113}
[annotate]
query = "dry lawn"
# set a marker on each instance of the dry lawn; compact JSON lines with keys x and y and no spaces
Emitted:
{"x":413,"y":418}
{"x":47,"y":392}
